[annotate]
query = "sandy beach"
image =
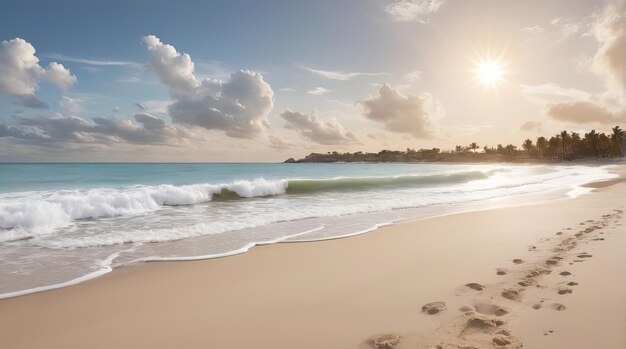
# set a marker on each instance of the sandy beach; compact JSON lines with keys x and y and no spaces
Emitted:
{"x":547,"y":275}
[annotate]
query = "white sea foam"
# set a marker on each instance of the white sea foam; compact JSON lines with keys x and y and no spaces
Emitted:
{"x":39,"y":213}
{"x":83,"y":225}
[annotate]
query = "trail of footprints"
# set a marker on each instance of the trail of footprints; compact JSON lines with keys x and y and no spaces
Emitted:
{"x":482,"y":324}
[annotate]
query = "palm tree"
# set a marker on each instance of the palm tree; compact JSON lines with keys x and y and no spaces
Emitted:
{"x":576,"y":142}
{"x":528,"y":146}
{"x":554,"y":145}
{"x":604,"y":145}
{"x":473,"y":146}
{"x":565,"y":141}
{"x":591,"y":140}
{"x":510,"y":150}
{"x":615,"y":138}
{"x":542,"y":144}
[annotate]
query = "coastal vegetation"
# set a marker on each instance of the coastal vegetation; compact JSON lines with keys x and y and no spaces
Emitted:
{"x":563,"y":146}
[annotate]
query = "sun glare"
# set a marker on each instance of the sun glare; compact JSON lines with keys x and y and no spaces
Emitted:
{"x":489,"y":73}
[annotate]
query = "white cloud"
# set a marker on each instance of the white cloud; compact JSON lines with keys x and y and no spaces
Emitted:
{"x":409,"y":10}
{"x":337,"y":75}
{"x":20,"y":73}
{"x":140,"y":105}
{"x":402,"y":114}
{"x":552,"y":91}
{"x":608,"y":29}
{"x":57,"y":74}
{"x":608,"y":107}
{"x":69,"y":104}
{"x":116,"y":109}
{"x":533,"y":30}
{"x":239,"y":106}
{"x":569,"y":27}
{"x":60,"y":129}
{"x":413,"y":76}
{"x":319,"y":130}
{"x":318,"y":91}
{"x":93,"y":62}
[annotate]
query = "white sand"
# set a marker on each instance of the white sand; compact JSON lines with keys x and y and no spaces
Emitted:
{"x":343,"y":293}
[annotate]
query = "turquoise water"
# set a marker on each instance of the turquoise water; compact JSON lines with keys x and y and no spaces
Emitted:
{"x":26,"y":177}
{"x":64,"y":223}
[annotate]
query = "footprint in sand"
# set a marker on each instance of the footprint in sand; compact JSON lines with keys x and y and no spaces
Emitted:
{"x":572,"y":283}
{"x":597,"y":239}
{"x":386,"y":341}
{"x":518,"y":261}
{"x":434,"y":308}
{"x":547,"y":333}
{"x":475,"y":286}
{"x":490,"y":309}
{"x":501,"y":271}
{"x":565,"y":273}
{"x":584,"y":255}
{"x":557,"y":306}
{"x":552,"y":261}
{"x":537,"y":306}
{"x":510,"y":293}
{"x":564,"y":290}
{"x":526,"y":282}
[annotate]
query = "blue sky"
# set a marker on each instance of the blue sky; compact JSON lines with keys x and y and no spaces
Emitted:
{"x":325,"y":61}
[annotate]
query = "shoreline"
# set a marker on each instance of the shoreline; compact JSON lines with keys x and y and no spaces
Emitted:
{"x":478,"y":206}
{"x":345,"y":291}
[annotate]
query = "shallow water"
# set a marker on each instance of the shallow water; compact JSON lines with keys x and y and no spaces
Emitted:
{"x":64,"y":222}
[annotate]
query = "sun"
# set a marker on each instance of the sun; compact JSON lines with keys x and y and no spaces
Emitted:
{"x":489,"y":70}
{"x":489,"y":73}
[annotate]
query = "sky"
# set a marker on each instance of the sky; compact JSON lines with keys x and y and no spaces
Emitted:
{"x":268,"y":80}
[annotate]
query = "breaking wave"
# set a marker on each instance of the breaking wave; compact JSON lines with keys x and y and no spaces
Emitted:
{"x":28,"y":214}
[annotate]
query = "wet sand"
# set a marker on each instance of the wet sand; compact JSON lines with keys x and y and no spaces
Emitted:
{"x":548,"y":275}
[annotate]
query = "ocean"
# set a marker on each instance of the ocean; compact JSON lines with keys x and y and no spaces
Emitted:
{"x":61,"y":224}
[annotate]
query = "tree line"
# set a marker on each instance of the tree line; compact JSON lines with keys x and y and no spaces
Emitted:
{"x":564,"y":145}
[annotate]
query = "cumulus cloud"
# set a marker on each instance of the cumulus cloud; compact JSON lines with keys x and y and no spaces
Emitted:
{"x":57,"y":74}
{"x":337,"y":75}
{"x":409,"y":10}
{"x":318,"y":91}
{"x":531,"y":126}
{"x":239,"y":106}
{"x":140,"y":105}
{"x":401,"y":113}
{"x":581,"y":112}
{"x":20,"y":73}
{"x":317,"y":129}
